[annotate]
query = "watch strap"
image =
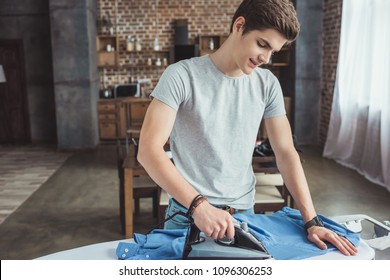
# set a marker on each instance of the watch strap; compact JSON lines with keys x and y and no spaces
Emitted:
{"x":316,"y":221}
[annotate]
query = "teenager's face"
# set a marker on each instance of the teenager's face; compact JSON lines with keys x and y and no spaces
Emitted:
{"x":256,"y":47}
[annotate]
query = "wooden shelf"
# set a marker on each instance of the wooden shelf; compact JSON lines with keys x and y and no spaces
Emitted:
{"x":108,"y":66}
{"x":148,"y":51}
{"x":279,"y":64}
{"x":131,"y":66}
{"x":106,"y":57}
{"x":281,"y":58}
{"x":205,"y":43}
{"x":143,"y":65}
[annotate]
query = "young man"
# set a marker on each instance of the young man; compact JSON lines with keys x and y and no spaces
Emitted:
{"x":210,"y":108}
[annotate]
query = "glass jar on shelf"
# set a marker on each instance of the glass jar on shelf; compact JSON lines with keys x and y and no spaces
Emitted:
{"x":130,"y":44}
{"x":138,"y":45}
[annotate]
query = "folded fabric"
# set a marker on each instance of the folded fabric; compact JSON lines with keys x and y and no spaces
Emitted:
{"x":158,"y":245}
{"x":282,"y":233}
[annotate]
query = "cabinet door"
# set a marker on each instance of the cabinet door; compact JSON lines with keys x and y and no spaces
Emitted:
{"x":108,"y":130}
{"x":108,"y":120}
{"x":107,"y":117}
{"x":107,"y":106}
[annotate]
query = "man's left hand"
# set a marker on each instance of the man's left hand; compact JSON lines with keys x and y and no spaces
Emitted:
{"x":318,"y":235}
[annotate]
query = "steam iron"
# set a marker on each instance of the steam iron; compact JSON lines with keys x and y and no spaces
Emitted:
{"x":244,"y":245}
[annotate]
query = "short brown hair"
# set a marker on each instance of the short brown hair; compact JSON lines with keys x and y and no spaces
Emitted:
{"x":269,"y":14}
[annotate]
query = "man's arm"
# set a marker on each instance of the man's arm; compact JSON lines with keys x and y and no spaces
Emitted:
{"x":155,"y":132}
{"x":156,"y":128}
{"x":289,"y":165}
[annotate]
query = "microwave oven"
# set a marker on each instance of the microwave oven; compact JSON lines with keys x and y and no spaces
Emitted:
{"x":127,"y":90}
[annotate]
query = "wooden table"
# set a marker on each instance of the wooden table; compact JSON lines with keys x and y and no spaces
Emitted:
{"x":131,"y":168}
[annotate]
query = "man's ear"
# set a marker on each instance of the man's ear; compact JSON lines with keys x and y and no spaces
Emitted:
{"x":239,"y":24}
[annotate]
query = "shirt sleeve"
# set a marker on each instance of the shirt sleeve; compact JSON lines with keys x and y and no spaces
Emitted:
{"x":172,"y":88}
{"x":274,"y":106}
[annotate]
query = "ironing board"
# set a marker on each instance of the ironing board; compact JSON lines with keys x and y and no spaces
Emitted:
{"x":106,"y":250}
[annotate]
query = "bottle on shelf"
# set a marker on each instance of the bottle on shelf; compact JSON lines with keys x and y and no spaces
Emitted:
{"x":211,"y":45}
{"x":156,"y":45}
{"x":158,"y":62}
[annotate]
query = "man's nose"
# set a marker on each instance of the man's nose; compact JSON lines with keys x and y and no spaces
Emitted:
{"x":265,"y":57}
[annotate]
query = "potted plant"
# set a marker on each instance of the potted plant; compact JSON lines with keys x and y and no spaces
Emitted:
{"x":105,"y":24}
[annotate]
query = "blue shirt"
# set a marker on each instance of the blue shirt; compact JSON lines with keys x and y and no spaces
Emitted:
{"x":282,"y":233}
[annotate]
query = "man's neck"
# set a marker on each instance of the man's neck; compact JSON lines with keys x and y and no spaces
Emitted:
{"x":224,"y":61}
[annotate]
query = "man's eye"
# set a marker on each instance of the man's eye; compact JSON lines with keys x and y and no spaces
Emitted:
{"x":261,"y":44}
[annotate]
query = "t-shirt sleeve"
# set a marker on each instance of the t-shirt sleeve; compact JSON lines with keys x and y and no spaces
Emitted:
{"x":172,"y":87}
{"x":274,"y":106}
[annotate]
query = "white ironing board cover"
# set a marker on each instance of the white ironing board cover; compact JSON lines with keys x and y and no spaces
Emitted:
{"x":106,"y":251}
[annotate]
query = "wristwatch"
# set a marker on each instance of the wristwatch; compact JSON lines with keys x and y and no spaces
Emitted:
{"x":316,"y":221}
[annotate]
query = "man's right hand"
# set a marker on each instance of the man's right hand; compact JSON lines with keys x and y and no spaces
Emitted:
{"x":213,"y":222}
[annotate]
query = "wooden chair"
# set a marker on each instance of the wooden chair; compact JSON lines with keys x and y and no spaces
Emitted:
{"x":135,"y":110}
{"x":162,"y":206}
{"x":143,"y":186}
{"x":271,"y":192}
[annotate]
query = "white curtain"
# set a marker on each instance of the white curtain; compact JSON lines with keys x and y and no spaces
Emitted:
{"x":359,"y":128}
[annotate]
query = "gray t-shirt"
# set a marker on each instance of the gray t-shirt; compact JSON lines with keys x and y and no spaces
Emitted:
{"x":216,"y":126}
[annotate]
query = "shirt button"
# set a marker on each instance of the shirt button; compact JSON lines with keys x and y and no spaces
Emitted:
{"x":123,"y":255}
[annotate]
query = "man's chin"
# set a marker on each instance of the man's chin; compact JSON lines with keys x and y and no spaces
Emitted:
{"x":247,"y":70}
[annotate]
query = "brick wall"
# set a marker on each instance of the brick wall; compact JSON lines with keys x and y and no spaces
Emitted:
{"x":205,"y":17}
{"x":331,"y":29}
{"x":138,"y":17}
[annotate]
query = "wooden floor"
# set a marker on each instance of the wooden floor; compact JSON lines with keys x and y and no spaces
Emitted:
{"x":22,"y":171}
